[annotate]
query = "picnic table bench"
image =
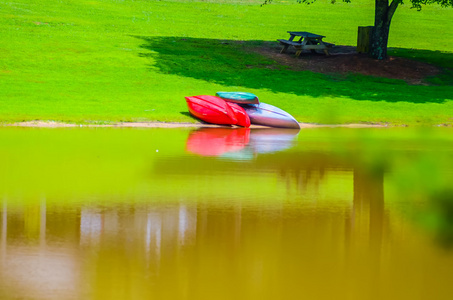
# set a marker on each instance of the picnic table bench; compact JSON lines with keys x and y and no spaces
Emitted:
{"x":306,"y":41}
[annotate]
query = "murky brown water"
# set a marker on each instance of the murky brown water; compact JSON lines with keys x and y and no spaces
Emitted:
{"x":224,"y":214}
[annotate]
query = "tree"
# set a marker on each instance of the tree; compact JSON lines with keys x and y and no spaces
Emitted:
{"x":384,"y":10}
{"x":383,"y":14}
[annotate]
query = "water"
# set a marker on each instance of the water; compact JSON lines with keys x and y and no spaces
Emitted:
{"x":325,"y":213}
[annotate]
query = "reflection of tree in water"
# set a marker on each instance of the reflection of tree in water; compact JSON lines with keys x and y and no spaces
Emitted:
{"x":308,"y":169}
{"x":367,"y":215}
{"x":302,"y":177}
{"x":131,"y":247}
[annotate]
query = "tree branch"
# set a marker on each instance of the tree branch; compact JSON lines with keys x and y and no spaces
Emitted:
{"x":392,"y":9}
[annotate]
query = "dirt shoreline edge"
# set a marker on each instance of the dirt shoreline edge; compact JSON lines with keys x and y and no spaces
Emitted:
{"x":53,"y":124}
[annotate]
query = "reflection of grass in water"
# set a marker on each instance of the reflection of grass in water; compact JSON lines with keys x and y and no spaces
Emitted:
{"x":65,"y":162}
{"x":147,"y":165}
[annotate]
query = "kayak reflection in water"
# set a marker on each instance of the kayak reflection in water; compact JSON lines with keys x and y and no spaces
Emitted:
{"x":239,"y":143}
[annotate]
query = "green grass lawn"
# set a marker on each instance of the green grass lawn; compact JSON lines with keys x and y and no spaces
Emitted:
{"x":102,"y":61}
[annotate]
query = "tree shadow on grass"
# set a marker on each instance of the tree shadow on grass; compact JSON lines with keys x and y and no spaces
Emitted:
{"x":234,"y":63}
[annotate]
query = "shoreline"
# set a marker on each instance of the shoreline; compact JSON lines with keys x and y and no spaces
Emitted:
{"x":53,"y":124}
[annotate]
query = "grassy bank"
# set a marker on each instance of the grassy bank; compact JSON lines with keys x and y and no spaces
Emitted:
{"x":113,"y":60}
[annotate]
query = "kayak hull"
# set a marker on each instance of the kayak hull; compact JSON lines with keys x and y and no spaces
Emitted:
{"x":242,"y":117}
{"x":238,"y":97}
{"x":216,"y":110}
{"x":211,"y":109}
{"x":269,"y":115}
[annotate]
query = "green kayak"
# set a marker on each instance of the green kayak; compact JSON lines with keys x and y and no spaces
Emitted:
{"x":239,"y":97}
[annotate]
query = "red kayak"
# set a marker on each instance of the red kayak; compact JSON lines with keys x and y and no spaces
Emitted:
{"x":242,"y":117}
{"x":215,"y":110}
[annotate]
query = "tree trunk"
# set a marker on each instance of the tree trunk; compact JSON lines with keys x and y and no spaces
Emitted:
{"x":382,"y":18}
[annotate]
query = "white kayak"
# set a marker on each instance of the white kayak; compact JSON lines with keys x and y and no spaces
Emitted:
{"x":269,"y":115}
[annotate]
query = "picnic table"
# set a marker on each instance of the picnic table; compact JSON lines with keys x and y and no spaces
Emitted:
{"x":306,"y":41}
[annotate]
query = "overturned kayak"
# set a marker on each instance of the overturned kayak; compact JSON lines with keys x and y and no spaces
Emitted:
{"x":242,"y":117}
{"x":238,"y":97}
{"x":269,"y":115}
{"x":215,"y":110}
{"x":211,"y":109}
